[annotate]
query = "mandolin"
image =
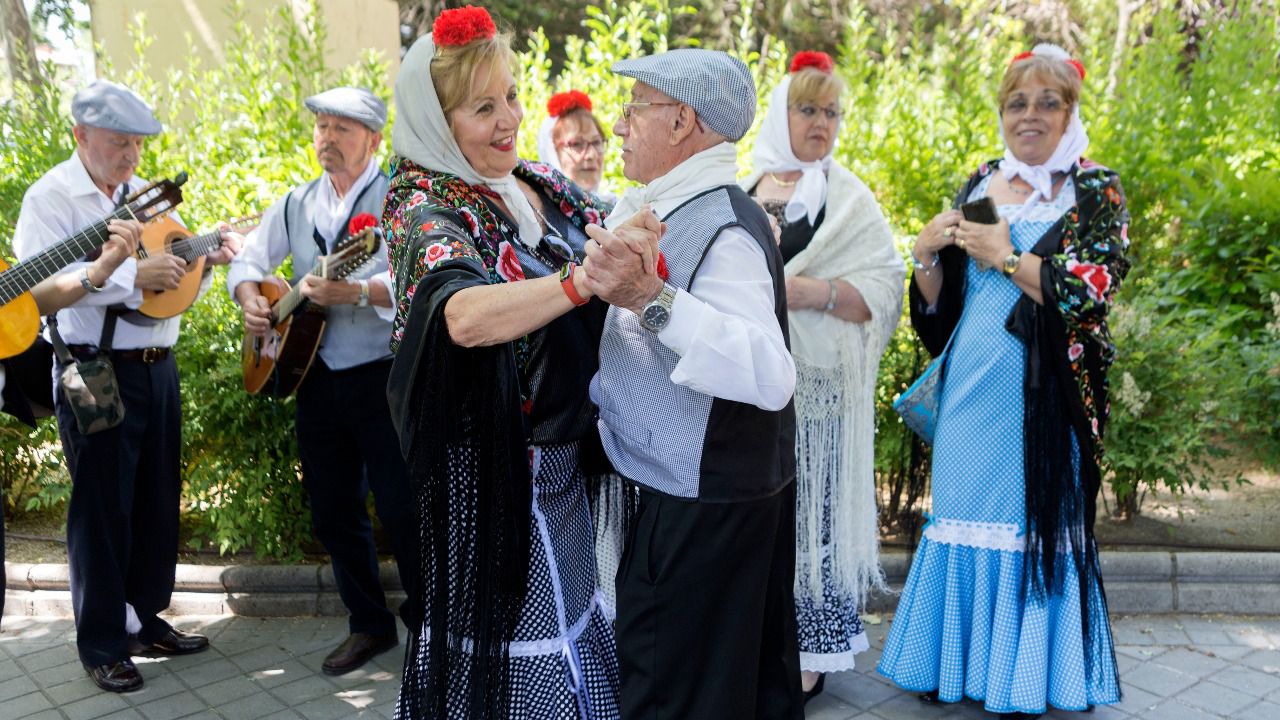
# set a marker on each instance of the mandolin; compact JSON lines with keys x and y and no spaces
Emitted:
{"x":278,"y":363}
{"x":166,"y":235}
{"x":19,"y":317}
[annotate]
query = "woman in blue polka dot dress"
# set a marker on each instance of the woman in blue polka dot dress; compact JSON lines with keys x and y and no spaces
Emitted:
{"x":1004,"y":603}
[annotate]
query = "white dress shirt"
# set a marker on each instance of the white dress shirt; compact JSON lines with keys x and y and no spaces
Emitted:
{"x":724,"y":327}
{"x":59,"y":204}
{"x":268,"y":245}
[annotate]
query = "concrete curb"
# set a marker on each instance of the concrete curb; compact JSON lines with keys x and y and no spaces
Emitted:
{"x":1137,"y":582}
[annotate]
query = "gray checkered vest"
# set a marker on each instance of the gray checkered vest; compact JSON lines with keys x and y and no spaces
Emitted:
{"x":352,"y":336}
{"x":667,"y":437}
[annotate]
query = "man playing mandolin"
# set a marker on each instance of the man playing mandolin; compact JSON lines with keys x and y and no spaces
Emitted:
{"x":345,"y":437}
{"x":122,"y":521}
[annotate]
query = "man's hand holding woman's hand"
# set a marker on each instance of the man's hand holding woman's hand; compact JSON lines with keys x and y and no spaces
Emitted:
{"x":621,"y":264}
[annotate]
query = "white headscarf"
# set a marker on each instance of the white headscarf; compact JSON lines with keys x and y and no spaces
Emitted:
{"x":547,"y":153}
{"x":422,"y":135}
{"x":1070,"y":148}
{"x":772,"y":153}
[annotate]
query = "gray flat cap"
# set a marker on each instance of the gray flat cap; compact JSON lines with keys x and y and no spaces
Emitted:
{"x":349,"y":102}
{"x":112,"y":106}
{"x":716,"y":85}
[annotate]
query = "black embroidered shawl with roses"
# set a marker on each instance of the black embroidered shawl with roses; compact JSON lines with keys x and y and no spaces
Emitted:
{"x":444,"y":236}
{"x":1069,"y":352}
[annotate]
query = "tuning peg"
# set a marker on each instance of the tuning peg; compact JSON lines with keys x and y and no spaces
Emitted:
{"x":180,"y":179}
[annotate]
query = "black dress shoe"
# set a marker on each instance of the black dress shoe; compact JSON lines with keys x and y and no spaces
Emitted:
{"x":357,"y":650}
{"x":120,"y":676}
{"x":174,"y":642}
{"x":929,"y":698}
{"x":816,"y":690}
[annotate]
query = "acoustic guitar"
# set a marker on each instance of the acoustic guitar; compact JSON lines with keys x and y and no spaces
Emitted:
{"x":167,"y":236}
{"x":278,"y":363}
{"x":19,"y":317}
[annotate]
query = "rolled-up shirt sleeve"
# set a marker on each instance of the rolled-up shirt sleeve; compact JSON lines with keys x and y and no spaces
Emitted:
{"x":726,"y":332}
{"x":264,"y":249}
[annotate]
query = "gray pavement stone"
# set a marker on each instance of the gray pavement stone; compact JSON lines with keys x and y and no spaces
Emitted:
{"x":255,"y":706}
{"x":1191,"y":662}
{"x":95,"y":706}
{"x":28,"y":704}
{"x":172,"y":707}
{"x":1159,"y":680}
{"x":127,"y":714}
{"x":1261,"y":711}
{"x":1174,"y":710}
{"x":1248,"y":681}
{"x":16,"y":687}
{"x":1216,"y":699}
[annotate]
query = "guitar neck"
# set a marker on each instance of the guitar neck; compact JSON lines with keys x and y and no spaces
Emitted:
{"x":27,"y":274}
{"x":193,"y":247}
{"x":285,"y":306}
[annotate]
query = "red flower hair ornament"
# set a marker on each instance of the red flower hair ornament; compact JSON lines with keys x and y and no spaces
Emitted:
{"x":461,"y":26}
{"x":564,"y":102}
{"x":1053,"y":52}
{"x":811,"y":58}
{"x":360,"y":222}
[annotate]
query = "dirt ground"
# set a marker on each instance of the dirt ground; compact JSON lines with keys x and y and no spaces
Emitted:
{"x":1245,"y":517}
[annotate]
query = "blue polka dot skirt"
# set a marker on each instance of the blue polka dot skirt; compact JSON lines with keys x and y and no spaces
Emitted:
{"x":965,"y":625}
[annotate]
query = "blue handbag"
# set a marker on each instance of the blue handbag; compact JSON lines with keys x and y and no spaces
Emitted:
{"x":918,"y":404}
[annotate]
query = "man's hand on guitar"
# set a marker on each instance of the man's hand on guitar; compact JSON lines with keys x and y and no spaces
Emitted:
{"x":121,"y":245}
{"x":329,"y":292}
{"x":160,"y":272}
{"x":232,"y":241}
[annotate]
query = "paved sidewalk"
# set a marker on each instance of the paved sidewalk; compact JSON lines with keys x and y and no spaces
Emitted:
{"x":1172,"y":667}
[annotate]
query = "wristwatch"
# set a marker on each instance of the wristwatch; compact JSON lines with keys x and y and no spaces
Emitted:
{"x":87,"y":283}
{"x":1011,"y":263}
{"x":655,"y":316}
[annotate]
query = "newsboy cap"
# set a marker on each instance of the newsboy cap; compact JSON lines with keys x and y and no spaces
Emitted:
{"x":112,"y":106}
{"x":350,"y":102}
{"x":718,"y":86}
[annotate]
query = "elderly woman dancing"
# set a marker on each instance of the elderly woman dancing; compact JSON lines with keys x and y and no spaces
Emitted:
{"x":1004,"y":602}
{"x":495,"y":339}
{"x":844,"y":297}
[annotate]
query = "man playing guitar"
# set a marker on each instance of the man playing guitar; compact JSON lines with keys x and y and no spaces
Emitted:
{"x":126,"y":477}
{"x":345,"y":438}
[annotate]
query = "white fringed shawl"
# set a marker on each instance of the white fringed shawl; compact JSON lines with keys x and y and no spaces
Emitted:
{"x":836,"y":367}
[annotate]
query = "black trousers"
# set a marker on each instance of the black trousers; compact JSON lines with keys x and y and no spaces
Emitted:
{"x":122,"y":522}
{"x":348,"y":447}
{"x":706,"y":611}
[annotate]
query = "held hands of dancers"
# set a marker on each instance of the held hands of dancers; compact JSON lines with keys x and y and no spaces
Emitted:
{"x":621,"y":266}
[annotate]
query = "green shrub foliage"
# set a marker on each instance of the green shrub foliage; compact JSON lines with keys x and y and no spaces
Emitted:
{"x":1185,"y":111}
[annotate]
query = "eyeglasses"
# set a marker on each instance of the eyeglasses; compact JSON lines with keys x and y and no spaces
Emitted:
{"x":1046,"y":105}
{"x":810,"y":112}
{"x":628,"y":108}
{"x":580,"y":147}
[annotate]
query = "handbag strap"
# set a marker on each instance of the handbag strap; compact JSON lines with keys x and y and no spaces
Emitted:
{"x":55,"y":337}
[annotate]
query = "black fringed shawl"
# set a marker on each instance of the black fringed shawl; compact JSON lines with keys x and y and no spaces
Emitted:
{"x":443,"y":238}
{"x":1069,"y":351}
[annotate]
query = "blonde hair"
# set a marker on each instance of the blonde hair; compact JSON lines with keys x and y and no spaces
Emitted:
{"x":454,"y":68}
{"x":1057,"y":74}
{"x":580,"y":118}
{"x":810,"y":84}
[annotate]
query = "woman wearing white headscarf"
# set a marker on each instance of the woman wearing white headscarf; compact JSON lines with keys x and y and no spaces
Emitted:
{"x":844,"y":294}
{"x":495,"y":340}
{"x":1004,"y":603}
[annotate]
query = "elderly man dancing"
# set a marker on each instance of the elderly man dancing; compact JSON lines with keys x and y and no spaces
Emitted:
{"x":694,"y":390}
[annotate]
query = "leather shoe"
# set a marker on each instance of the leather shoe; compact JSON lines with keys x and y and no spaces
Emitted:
{"x":355,"y":651}
{"x":120,"y":676}
{"x":174,"y":642}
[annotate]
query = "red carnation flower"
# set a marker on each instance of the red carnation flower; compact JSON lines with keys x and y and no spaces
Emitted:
{"x":460,"y":26}
{"x":360,"y":222}
{"x":1020,"y":56}
{"x":1079,"y":66}
{"x":561,"y":103}
{"x":662,"y":267}
{"x":814,"y":59}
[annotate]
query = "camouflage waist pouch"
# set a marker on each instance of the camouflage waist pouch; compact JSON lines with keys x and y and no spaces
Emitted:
{"x":90,"y":389}
{"x":89,"y":386}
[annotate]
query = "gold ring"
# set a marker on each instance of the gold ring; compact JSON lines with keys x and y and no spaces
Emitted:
{"x":948,"y":231}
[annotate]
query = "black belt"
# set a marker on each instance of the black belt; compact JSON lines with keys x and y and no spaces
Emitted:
{"x":146,"y":355}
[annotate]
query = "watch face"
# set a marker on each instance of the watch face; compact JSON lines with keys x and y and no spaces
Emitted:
{"x":655,"y":316}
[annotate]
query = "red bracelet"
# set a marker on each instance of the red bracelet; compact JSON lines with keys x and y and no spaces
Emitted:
{"x":566,"y":284}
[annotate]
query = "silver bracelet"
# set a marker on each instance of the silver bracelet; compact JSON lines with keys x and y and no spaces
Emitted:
{"x":921,"y":266}
{"x":831,"y":296}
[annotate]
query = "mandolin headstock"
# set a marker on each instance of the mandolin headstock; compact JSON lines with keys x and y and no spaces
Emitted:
{"x":156,"y":199}
{"x":351,"y":253}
